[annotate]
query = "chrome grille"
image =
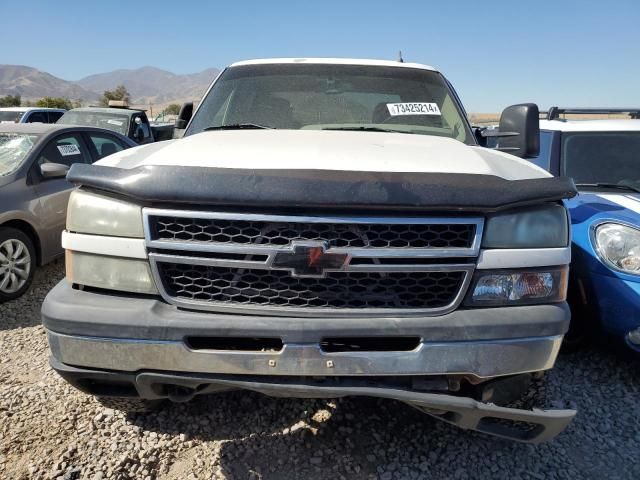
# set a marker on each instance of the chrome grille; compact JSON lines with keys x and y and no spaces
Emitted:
{"x":311,"y":265}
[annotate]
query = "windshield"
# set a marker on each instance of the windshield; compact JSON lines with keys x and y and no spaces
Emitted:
{"x":110,"y":121}
{"x":10,"y":116}
{"x":333,"y":97}
{"x":13,"y":150}
{"x":602,"y":157}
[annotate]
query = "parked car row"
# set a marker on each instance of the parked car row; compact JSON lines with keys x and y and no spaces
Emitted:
{"x":132,"y":123}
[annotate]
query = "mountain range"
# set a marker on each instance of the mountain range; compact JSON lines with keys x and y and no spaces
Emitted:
{"x":146,"y":85}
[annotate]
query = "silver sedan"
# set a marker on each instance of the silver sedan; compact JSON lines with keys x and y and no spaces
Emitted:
{"x":34,"y":160}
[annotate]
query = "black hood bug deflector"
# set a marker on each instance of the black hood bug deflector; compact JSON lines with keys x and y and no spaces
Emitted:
{"x":321,"y":189}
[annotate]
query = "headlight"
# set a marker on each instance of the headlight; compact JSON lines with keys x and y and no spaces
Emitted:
{"x":541,"y":227}
{"x":619,"y":246}
{"x":112,"y":273}
{"x":103,"y":215}
{"x":518,"y":287}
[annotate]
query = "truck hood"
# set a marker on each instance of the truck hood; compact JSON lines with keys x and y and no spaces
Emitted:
{"x":326,"y":150}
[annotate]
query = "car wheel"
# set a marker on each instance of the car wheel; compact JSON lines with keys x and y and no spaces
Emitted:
{"x":17,"y":263}
{"x":130,"y":404}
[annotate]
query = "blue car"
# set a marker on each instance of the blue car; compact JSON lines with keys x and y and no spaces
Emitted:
{"x":603,"y":157}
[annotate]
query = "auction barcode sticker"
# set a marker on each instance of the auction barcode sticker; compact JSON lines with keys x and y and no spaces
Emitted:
{"x":66,"y":150}
{"x":413,"y":108}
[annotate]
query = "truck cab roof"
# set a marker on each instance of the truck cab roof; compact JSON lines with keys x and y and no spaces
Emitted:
{"x":110,"y":110}
{"x":334,"y":61}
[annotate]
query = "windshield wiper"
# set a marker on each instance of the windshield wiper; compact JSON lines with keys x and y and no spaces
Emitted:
{"x":238,"y":126}
{"x":367,"y":129}
{"x":619,"y":186}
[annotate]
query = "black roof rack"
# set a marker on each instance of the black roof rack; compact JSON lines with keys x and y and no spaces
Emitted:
{"x":555,"y":112}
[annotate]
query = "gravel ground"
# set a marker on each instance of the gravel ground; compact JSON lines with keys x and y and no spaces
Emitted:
{"x":49,"y":430}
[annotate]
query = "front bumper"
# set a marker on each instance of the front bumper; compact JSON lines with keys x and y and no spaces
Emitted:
{"x":108,"y":331}
{"x":482,"y":359}
{"x":108,"y":344}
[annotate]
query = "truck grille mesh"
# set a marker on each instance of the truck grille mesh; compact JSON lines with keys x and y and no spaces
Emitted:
{"x":375,"y":235}
{"x":338,"y":290}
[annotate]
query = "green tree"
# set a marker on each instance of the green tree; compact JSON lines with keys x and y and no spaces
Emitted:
{"x":172,"y":109}
{"x":10,"y":101}
{"x":55,"y":102}
{"x":119,"y":93}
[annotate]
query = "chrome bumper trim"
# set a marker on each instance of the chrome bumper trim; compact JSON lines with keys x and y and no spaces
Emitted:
{"x":523,"y":258}
{"x":483,"y":359}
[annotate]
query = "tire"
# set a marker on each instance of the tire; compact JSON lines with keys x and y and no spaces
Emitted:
{"x":17,"y":263}
{"x":130,"y":404}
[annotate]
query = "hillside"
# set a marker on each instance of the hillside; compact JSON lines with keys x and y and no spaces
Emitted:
{"x":152,"y":85}
{"x":147,"y":85}
{"x":31,"y":83}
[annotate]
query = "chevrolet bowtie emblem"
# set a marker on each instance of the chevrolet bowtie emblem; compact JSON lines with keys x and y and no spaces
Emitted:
{"x":308,"y":259}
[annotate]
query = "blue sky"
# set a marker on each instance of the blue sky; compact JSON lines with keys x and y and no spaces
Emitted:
{"x":577,"y":53}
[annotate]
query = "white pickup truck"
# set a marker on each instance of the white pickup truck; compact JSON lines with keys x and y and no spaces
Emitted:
{"x":325,"y":228}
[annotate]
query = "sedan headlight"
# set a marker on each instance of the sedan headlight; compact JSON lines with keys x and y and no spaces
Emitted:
{"x":541,"y":227}
{"x":619,"y":246}
{"x":98,"y":214}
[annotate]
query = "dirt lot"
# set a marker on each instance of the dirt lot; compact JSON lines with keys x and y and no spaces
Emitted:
{"x":49,"y":430}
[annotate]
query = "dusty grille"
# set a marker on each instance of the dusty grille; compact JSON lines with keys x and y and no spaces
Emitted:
{"x":337,"y":235}
{"x":337,"y":290}
{"x":311,"y":265}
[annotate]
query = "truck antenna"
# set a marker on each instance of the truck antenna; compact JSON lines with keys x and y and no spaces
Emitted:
{"x":400,"y":59}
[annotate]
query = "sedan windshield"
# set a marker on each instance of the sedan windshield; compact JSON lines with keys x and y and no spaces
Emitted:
{"x":602,"y":159}
{"x":110,"y":121}
{"x":10,"y":116}
{"x":333,"y":97}
{"x":13,"y":150}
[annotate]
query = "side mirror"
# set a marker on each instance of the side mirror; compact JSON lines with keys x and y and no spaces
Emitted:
{"x":519,"y":131}
{"x":53,"y":170}
{"x":186,"y":112}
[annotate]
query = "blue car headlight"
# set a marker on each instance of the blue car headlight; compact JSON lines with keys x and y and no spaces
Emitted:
{"x":618,"y":246}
